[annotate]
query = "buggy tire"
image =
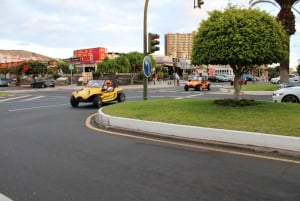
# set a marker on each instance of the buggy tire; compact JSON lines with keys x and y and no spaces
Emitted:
{"x":121,"y":97}
{"x":186,"y":88}
{"x":198,"y":88}
{"x":73,"y":102}
{"x":97,"y":102}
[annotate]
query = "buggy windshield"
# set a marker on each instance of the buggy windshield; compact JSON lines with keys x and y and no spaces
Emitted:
{"x":95,"y":83}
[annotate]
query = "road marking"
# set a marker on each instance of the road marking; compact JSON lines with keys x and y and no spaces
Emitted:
{"x":4,"y":198}
{"x":88,"y":124}
{"x":190,"y":96}
{"x":33,"y":98}
{"x":38,"y":107}
{"x":14,"y":98}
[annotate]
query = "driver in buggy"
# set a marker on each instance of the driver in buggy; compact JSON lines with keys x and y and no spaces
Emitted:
{"x":108,"y":86}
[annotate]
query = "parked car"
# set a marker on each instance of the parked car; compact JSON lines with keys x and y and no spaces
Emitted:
{"x":42,"y":83}
{"x":292,"y":78}
{"x":275,"y":80}
{"x":288,"y":94}
{"x":289,"y":84}
{"x":4,"y":82}
{"x":248,"y":77}
{"x":217,"y":78}
{"x":98,"y":92}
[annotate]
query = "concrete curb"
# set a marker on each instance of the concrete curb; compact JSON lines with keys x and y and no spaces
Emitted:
{"x":201,"y":133}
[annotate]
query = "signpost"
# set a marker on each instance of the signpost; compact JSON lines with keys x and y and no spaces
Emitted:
{"x":145,"y":79}
{"x":71,"y":67}
{"x":147,"y":66}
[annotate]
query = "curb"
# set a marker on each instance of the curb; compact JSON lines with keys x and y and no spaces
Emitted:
{"x":241,"y":138}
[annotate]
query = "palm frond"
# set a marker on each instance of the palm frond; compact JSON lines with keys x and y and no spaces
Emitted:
{"x":252,"y":3}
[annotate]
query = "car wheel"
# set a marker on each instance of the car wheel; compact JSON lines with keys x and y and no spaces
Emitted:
{"x":186,"y":87}
{"x":290,"y":99}
{"x":97,"y":102}
{"x":43,"y":86}
{"x":198,"y":88}
{"x":74,"y":102}
{"x":208,"y":87}
{"x":121,"y":97}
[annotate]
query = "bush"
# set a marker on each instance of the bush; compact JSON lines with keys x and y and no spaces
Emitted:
{"x":235,"y":103}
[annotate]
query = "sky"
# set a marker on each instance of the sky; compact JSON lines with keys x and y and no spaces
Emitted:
{"x":55,"y":28}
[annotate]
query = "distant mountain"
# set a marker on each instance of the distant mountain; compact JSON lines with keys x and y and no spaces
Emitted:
{"x":21,"y":55}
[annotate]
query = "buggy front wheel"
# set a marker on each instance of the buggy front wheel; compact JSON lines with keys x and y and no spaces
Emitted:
{"x":73,"y":102}
{"x":121,"y":97}
{"x":97,"y":102}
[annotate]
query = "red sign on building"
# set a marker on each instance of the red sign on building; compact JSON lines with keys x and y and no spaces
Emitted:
{"x":91,"y":55}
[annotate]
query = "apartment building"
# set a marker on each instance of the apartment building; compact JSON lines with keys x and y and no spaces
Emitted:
{"x":179,"y":45}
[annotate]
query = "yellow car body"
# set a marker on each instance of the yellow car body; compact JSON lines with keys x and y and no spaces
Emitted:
{"x":96,"y":93}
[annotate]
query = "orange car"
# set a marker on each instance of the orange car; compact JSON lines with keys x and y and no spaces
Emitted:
{"x":199,"y":83}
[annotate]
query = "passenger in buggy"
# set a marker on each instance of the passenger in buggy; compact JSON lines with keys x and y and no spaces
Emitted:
{"x":108,"y":86}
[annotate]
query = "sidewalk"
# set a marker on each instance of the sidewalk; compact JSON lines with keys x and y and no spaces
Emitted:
{"x":169,"y":84}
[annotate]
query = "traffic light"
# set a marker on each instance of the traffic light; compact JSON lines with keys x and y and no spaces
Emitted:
{"x":200,"y":3}
{"x":153,"y":42}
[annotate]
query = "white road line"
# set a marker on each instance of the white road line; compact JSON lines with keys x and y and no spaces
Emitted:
{"x":33,"y":98}
{"x":31,"y":108}
{"x":14,"y":98}
{"x":4,"y":198}
{"x":190,"y":96}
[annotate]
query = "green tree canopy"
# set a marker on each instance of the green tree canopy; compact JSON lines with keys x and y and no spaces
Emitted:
{"x":240,"y":38}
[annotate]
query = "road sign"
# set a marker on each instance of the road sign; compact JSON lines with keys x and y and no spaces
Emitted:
{"x":147,"y":66}
{"x":71,"y":67}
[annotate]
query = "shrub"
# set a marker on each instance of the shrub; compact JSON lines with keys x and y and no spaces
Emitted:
{"x":235,"y":103}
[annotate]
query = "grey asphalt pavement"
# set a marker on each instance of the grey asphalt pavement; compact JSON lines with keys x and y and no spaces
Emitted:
{"x":261,"y":141}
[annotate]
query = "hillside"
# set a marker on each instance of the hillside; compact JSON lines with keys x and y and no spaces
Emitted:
{"x":19,"y":55}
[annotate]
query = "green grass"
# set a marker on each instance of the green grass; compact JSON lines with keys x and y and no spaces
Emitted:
{"x":260,"y":87}
{"x":3,"y":93}
{"x":264,"y":117}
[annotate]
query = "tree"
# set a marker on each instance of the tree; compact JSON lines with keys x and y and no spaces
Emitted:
{"x":4,"y":71}
{"x":123,"y":64}
{"x":287,"y":18}
{"x":31,"y":68}
{"x":108,"y":65}
{"x":136,"y":63}
{"x":64,"y":67}
{"x":241,"y":38}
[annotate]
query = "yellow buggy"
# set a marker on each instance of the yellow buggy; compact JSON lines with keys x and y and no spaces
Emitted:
{"x":98,"y":92}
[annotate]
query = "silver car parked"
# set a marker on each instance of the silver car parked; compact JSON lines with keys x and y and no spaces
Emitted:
{"x":4,"y":82}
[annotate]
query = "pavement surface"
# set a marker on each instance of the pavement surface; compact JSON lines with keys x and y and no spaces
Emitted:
{"x":282,"y":145}
{"x":260,"y":142}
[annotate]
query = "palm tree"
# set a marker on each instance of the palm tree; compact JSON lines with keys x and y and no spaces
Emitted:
{"x":287,"y":18}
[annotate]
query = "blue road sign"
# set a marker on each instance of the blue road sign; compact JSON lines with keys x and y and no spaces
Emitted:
{"x":147,"y":66}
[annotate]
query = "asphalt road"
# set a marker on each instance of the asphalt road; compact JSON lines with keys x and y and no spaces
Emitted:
{"x":47,"y":153}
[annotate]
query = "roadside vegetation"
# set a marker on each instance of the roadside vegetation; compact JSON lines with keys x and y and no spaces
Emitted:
{"x":3,"y":93}
{"x":263,"y":117}
{"x":260,"y":87}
